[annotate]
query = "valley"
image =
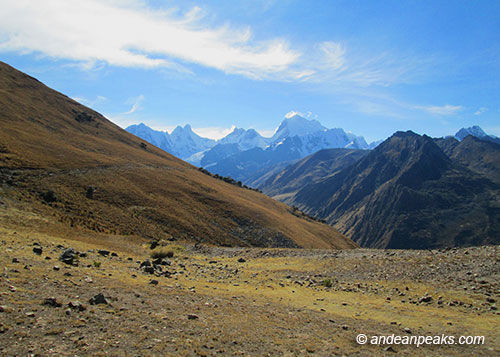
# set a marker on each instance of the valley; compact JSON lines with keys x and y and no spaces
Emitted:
{"x":235,"y":300}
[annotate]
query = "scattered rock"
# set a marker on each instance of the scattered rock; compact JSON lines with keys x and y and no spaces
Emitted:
{"x":345,"y":327}
{"x":51,"y":301}
{"x":389,"y":349}
{"x":68,"y":256}
{"x":114,"y":254}
{"x":490,"y":300}
{"x":103,"y":252}
{"x":38,"y":250}
{"x":56,"y":268}
{"x":193,"y":317}
{"x":145,"y":263}
{"x":241,"y":260}
{"x":98,"y":299}
{"x":407,"y":330}
{"x":76,"y":305}
{"x":3,"y":308}
{"x":15,"y":260}
{"x":154,"y":282}
{"x":425,"y":299}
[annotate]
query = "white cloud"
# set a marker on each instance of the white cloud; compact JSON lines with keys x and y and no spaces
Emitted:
{"x":214,"y":132}
{"x":136,"y":105}
{"x":333,"y":54}
{"x":130,"y":34}
{"x":481,"y":111}
{"x":292,"y":113}
{"x":444,"y":110}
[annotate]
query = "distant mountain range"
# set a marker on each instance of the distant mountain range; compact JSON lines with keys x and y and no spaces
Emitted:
{"x":244,"y":153}
{"x":411,"y":191}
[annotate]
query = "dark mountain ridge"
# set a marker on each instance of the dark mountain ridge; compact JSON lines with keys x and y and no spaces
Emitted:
{"x":407,"y":193}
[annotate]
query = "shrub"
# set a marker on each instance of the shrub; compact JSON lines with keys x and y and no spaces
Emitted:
{"x":97,"y":264}
{"x":327,"y":283}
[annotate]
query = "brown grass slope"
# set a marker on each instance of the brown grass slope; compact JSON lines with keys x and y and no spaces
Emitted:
{"x":51,"y":144}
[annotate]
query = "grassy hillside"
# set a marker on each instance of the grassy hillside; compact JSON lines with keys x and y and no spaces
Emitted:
{"x":70,"y":164}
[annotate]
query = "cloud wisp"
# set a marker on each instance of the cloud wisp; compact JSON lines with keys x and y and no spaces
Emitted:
{"x":130,"y":34}
{"x":481,"y":111}
{"x":136,"y":105}
{"x":443,"y":110}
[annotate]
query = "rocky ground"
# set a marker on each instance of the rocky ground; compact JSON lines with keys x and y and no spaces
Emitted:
{"x":96,"y":296}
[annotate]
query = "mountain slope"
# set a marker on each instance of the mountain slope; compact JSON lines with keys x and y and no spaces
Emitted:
{"x":407,"y":193}
{"x":76,"y":168}
{"x":478,"y":154}
{"x":313,"y":168}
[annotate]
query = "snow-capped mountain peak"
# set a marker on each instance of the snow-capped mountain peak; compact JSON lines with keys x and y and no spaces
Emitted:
{"x":246,"y":139}
{"x":473,"y":130}
{"x":296,"y":126}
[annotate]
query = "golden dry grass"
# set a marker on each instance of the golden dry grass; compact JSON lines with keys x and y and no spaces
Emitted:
{"x":142,"y":192}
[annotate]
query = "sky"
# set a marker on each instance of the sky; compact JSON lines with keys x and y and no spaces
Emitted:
{"x":369,"y":67}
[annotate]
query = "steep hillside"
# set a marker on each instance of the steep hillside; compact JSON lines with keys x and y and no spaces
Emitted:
{"x":478,"y":154}
{"x":70,"y":164}
{"x":313,"y":168}
{"x":407,"y":193}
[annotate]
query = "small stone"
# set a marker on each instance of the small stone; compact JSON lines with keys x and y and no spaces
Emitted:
{"x":30,"y":314}
{"x":15,"y":260}
{"x":145,"y":263}
{"x":56,"y":268}
{"x":490,"y":300}
{"x":241,"y":260}
{"x":193,"y":317}
{"x":345,"y":327}
{"x":154,"y":282}
{"x":51,"y":301}
{"x":37,"y":250}
{"x":425,"y":299}
{"x":407,"y":330}
{"x":68,"y":256}
{"x":48,"y":258}
{"x":103,"y":252}
{"x":98,"y":299}
{"x":3,"y":308}
{"x":68,"y":312}
{"x":389,"y":349}
{"x":76,"y":305}
{"x":114,"y":254}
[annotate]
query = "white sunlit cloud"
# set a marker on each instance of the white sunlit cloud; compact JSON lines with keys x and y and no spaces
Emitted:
{"x":136,"y":104}
{"x":481,"y":111}
{"x":131,"y":34}
{"x":443,"y":110}
{"x":308,"y":115}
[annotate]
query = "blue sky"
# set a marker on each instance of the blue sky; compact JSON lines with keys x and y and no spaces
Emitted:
{"x":370,"y":67}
